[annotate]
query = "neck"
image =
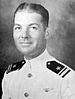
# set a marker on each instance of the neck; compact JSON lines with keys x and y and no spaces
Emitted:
{"x":34,"y":55}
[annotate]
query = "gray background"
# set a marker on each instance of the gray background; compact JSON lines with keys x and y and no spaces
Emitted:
{"x":62,"y":28}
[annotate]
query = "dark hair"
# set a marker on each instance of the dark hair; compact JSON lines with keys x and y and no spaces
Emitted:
{"x":35,"y":8}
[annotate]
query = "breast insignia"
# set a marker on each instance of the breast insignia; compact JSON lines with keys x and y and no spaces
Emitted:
{"x":58,"y":68}
{"x":15,"y":66}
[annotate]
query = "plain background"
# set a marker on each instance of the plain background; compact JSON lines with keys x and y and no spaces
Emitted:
{"x":62,"y":28}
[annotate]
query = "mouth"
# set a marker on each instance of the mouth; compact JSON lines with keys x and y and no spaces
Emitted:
{"x":25,"y":44}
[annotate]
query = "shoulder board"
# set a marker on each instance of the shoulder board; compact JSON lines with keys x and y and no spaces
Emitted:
{"x":15,"y":66}
{"x":58,"y":68}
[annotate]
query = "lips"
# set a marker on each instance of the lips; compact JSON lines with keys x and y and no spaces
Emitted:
{"x":25,"y":43}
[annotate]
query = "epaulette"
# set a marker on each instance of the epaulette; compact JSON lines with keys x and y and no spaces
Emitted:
{"x":15,"y":66}
{"x":58,"y":68}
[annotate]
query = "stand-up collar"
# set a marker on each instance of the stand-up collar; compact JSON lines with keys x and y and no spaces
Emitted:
{"x":41,"y":59}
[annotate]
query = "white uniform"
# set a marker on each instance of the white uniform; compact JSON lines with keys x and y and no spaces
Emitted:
{"x":40,"y":78}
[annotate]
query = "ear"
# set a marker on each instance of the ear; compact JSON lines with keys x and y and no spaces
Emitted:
{"x":47,"y":33}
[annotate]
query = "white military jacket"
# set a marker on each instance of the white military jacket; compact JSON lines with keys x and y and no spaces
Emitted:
{"x":40,"y":78}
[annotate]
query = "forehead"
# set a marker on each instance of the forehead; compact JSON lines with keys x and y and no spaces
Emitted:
{"x":25,"y":17}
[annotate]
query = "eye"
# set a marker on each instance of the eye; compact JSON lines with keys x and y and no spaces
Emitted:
{"x":33,"y":28}
{"x":17,"y":28}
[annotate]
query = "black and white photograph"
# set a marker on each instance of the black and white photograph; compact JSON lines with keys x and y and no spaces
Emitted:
{"x":37,"y":49}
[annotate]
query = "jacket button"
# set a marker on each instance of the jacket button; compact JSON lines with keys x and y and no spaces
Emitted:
{"x":26,"y":94}
{"x":46,"y":89}
{"x":29,"y":75}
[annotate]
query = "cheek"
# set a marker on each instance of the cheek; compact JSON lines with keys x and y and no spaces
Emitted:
{"x":34,"y":35}
{"x":40,"y":40}
{"x":15,"y":35}
{"x":37,"y":35}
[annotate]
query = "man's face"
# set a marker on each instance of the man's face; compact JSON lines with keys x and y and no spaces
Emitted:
{"x":29,"y":33}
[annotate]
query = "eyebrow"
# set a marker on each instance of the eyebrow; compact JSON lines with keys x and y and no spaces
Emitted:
{"x":29,"y":24}
{"x":34,"y":24}
{"x":17,"y":24}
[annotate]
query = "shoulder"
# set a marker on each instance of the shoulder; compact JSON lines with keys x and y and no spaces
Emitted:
{"x":60,"y":68}
{"x":15,"y":66}
{"x":11,"y":72}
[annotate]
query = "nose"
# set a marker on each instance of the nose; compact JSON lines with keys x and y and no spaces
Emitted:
{"x":25,"y":34}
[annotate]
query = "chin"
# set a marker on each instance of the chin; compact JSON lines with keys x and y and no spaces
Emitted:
{"x":26,"y":52}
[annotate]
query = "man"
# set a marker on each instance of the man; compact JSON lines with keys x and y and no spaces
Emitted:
{"x":39,"y":75}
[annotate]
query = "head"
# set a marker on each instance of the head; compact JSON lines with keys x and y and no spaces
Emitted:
{"x":30,"y":30}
